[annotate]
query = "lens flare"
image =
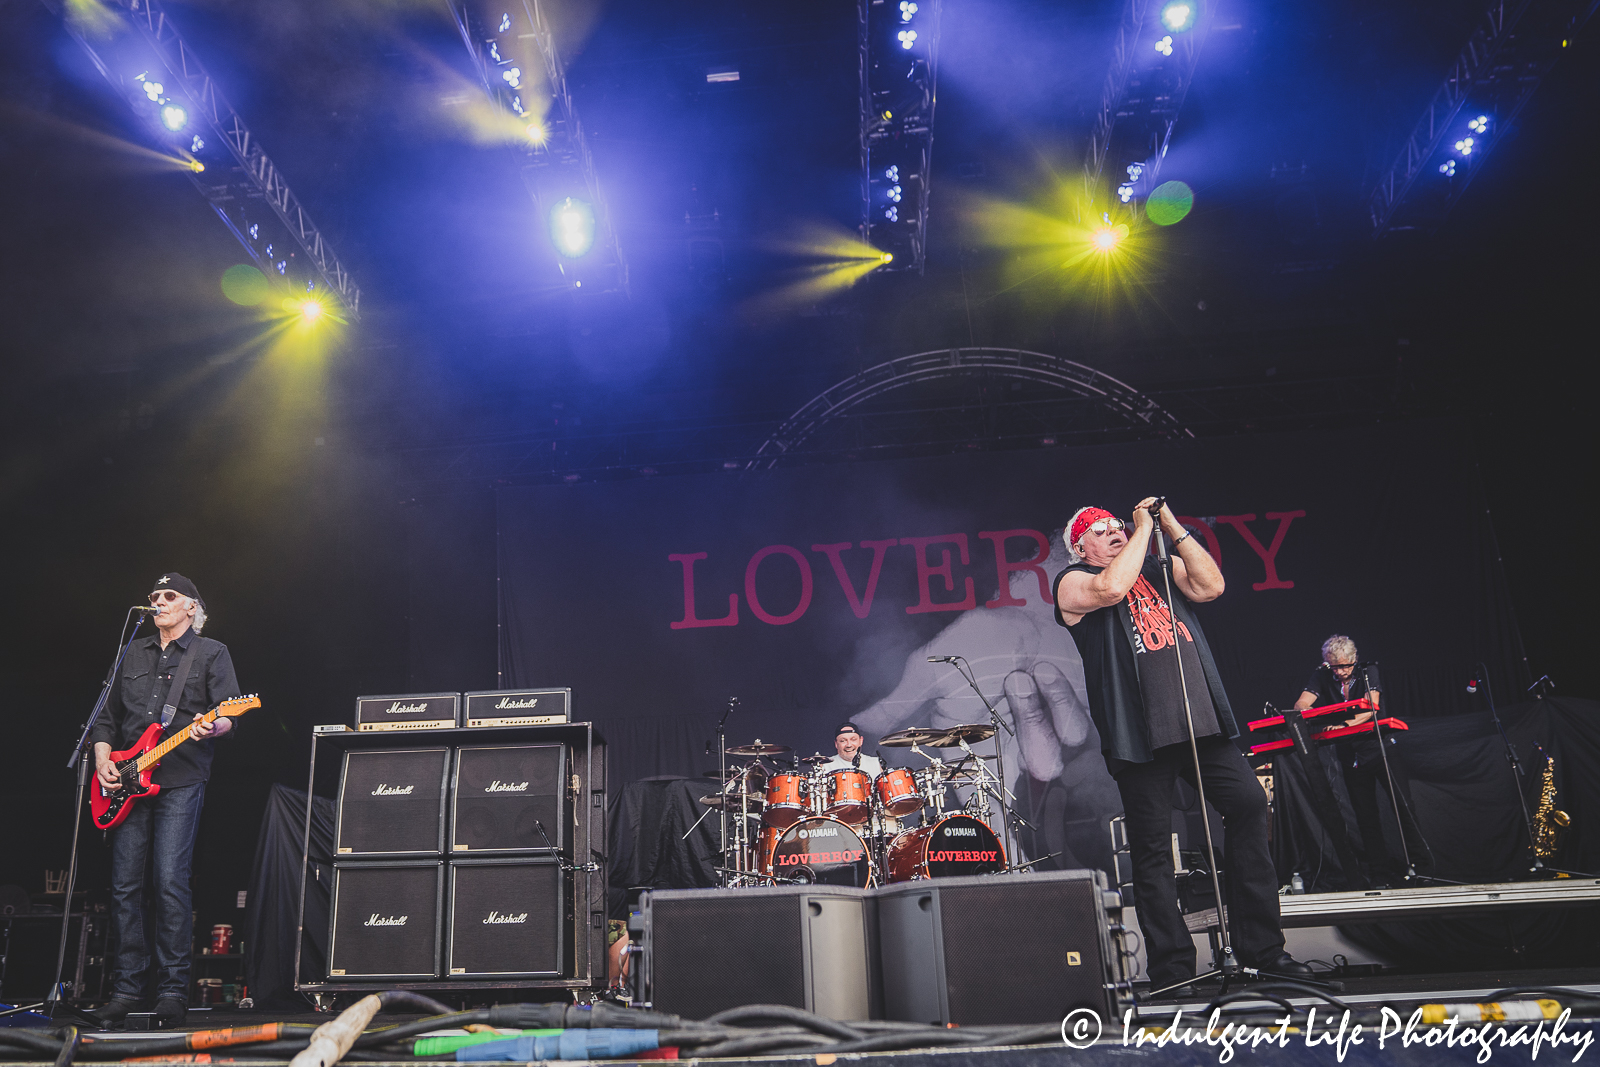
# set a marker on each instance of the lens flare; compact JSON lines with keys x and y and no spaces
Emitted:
{"x":245,"y":285}
{"x":1169,"y":202}
{"x":572,"y":227}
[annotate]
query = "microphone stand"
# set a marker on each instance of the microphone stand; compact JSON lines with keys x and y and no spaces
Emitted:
{"x":1388,"y":776}
{"x":722,"y":779}
{"x":81,"y":760}
{"x":1006,"y":814}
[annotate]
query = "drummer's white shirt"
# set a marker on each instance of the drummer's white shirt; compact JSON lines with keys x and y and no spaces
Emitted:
{"x":870,"y":764}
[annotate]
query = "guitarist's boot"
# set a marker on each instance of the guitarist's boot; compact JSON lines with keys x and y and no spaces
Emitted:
{"x":112,"y":1015}
{"x":171,"y":1011}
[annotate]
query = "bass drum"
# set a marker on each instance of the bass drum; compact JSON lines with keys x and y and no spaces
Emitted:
{"x":955,"y":845}
{"x":822,"y":851}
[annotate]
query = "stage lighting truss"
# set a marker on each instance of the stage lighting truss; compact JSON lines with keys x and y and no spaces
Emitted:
{"x":187,"y":118}
{"x":898,"y":75}
{"x":1152,"y":65}
{"x":1512,"y":49}
{"x":515,"y":52}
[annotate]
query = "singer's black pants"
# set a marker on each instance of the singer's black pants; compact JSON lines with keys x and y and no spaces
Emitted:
{"x":1252,"y":883}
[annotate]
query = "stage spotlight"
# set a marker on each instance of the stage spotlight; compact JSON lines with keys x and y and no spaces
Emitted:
{"x":154,"y":90}
{"x":537,"y":133}
{"x":1125,"y":193}
{"x":505,"y":22}
{"x":1135,"y":171}
{"x":196,"y":144}
{"x":1479,"y":124}
{"x":893,"y":174}
{"x":907,"y":38}
{"x":572,"y":227}
{"x":196,"y":166}
{"x":1464,"y":146}
{"x":892,"y":214}
{"x":513,"y":77}
{"x":1106,"y":238}
{"x":907,"y":9}
{"x":1448,"y":168}
{"x":174,"y":117}
{"x":1164,"y":46}
{"x":887,"y":257}
{"x":1178,"y":15}
{"x":310,"y":310}
{"x":895,"y":193}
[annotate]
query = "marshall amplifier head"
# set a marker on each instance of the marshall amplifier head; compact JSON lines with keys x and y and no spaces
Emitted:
{"x":507,"y":918}
{"x":508,"y":798}
{"x":519,"y":707}
{"x":385,"y":920}
{"x":413,"y":711}
{"x":391,"y":802}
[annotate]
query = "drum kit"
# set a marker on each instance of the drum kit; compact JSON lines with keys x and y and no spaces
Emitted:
{"x":796,"y":821}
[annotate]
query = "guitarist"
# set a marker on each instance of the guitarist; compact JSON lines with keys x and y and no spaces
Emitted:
{"x":175,"y":675}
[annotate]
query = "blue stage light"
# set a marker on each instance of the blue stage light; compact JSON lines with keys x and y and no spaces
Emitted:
{"x":1479,"y":124}
{"x":1135,"y":171}
{"x":893,"y":174}
{"x":1125,"y":193}
{"x":1448,"y":168}
{"x":1178,"y":15}
{"x":908,"y":8}
{"x":174,"y":117}
{"x":1464,"y":146}
{"x":894,"y":193}
{"x":572,"y":227}
{"x":892,"y":214}
{"x":505,"y":23}
{"x":154,"y":90}
{"x":513,"y":77}
{"x":907,"y":38}
{"x":1164,"y":46}
{"x":196,"y":144}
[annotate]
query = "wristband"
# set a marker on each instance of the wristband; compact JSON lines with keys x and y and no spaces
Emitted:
{"x":1186,"y":535}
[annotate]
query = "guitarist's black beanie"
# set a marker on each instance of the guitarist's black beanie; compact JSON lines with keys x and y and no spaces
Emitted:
{"x":179,"y":584}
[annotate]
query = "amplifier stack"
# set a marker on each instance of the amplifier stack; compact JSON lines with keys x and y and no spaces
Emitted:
{"x":463,"y":853}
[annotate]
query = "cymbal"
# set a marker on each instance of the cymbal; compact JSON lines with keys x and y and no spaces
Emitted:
{"x":756,"y":748}
{"x":817,"y":759}
{"x":916,"y":735}
{"x":732,"y":802}
{"x":968,"y":732}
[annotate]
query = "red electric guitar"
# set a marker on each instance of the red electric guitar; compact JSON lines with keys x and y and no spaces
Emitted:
{"x":136,"y":763}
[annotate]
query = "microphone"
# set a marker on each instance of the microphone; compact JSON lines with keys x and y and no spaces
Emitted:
{"x":943,"y":659}
{"x":1156,"y":506}
{"x":142,"y":607}
{"x":1472,"y":685}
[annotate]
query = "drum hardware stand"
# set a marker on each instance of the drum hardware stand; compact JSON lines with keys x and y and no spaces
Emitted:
{"x":1228,"y":967}
{"x":722,"y":770}
{"x":1030,"y":863}
{"x":569,"y":868}
{"x":961,"y":665}
{"x":1539,"y":868}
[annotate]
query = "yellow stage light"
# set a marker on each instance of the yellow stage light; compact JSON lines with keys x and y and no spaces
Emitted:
{"x":310,"y":310}
{"x":537,"y":133}
{"x":887,"y":257}
{"x":1105,"y":238}
{"x":196,"y":166}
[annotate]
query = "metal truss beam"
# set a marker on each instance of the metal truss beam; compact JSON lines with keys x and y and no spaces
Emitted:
{"x":237,"y":185}
{"x":555,"y":162}
{"x":899,"y":66}
{"x":1512,"y":49}
{"x":1144,"y":91}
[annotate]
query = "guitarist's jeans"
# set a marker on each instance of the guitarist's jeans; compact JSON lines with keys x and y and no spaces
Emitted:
{"x":158,"y":837}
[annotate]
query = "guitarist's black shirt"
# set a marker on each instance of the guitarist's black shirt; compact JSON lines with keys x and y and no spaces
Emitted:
{"x":141,"y":689}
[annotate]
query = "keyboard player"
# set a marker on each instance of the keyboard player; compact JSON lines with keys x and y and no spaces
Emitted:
{"x":1343,"y":677}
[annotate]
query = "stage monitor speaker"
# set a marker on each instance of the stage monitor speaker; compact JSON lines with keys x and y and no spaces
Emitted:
{"x":385,"y":920}
{"x":517,"y":707}
{"x":507,"y":918}
{"x":391,"y":802}
{"x":412,"y":711}
{"x":805,"y":946}
{"x":504,"y":794}
{"x":1019,"y":949}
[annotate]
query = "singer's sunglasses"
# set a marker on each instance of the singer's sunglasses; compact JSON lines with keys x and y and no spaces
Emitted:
{"x":1100,"y":526}
{"x":166,"y":596}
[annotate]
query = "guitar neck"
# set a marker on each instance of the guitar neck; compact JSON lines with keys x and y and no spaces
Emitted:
{"x":151,"y":758}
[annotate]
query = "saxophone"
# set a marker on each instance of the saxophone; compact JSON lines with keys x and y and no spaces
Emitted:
{"x":1549,"y":820}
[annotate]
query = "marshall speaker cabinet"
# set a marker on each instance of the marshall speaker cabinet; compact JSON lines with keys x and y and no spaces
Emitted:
{"x":508,"y":798}
{"x":706,"y":950}
{"x":975,"y":951}
{"x":507,"y":918}
{"x":392,"y":803}
{"x":385,"y":920}
{"x":415,"y":711}
{"x":518,"y":707}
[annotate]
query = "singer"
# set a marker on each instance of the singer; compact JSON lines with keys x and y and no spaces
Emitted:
{"x":1108,"y":598}
{"x":177,"y":669}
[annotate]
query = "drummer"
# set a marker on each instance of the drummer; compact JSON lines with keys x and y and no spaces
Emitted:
{"x":847,"y":743}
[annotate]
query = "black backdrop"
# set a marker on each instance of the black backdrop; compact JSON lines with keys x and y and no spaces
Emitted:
{"x":1378,"y":534}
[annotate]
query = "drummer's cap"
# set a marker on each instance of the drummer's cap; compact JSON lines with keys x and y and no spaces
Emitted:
{"x":847,"y":728}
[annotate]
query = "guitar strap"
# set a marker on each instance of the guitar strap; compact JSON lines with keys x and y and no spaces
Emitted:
{"x":181,"y":676}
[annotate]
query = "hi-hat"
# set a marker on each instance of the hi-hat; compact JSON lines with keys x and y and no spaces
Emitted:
{"x":968,"y":732}
{"x":814,"y":759}
{"x":757,"y":748}
{"x":735,"y":801}
{"x":916,"y":735}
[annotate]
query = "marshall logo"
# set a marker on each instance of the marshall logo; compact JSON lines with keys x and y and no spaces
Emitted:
{"x":507,"y":702}
{"x":961,"y":831}
{"x":497,"y":919}
{"x":386,"y":920}
{"x":497,"y":786}
{"x":398,"y":708}
{"x":393,"y":790}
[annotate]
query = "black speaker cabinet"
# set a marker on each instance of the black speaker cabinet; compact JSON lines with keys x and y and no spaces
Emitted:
{"x":507,"y":919}
{"x":806,"y":946}
{"x":1019,"y":949}
{"x":385,"y":920}
{"x":504,"y":794}
{"x":391,"y":803}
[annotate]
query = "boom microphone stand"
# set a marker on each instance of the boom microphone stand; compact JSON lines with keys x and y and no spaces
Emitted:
{"x":81,"y":760}
{"x":1394,"y":798}
{"x":1006,"y":814}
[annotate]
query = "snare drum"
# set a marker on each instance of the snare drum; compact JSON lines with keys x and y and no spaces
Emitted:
{"x":958,"y":844}
{"x":897,"y":789}
{"x":847,"y":795}
{"x":786,"y":799}
{"x":822,"y":851}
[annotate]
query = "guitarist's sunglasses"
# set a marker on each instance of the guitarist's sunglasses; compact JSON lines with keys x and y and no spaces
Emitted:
{"x":165,"y":596}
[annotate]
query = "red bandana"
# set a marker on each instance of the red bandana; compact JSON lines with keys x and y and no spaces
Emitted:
{"x":1088,"y":518}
